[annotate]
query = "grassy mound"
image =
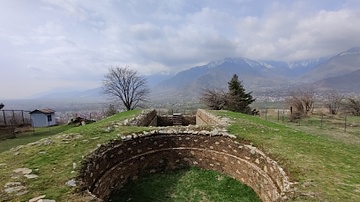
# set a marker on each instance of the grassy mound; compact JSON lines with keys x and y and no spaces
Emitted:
{"x":325,"y":167}
{"x":56,"y":159}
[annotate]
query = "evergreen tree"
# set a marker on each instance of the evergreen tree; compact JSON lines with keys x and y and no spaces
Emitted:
{"x":237,"y":99}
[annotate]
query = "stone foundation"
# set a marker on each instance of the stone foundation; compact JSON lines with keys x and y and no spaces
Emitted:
{"x":168,"y":121}
{"x":112,"y":165}
{"x":149,"y":117}
{"x":205,"y":118}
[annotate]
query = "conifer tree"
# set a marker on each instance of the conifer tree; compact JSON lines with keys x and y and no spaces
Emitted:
{"x":237,"y":99}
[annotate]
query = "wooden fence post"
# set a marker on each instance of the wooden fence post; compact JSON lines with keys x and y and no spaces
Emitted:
{"x":4,"y":117}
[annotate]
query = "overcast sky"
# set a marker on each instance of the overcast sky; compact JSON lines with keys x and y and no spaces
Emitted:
{"x":70,"y":44}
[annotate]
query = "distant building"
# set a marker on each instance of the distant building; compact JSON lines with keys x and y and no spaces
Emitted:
{"x":42,"y":117}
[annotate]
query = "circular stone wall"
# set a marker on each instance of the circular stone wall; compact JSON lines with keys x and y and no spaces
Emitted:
{"x":112,"y":165}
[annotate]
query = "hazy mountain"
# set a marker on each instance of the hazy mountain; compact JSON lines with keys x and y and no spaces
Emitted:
{"x":302,"y":67}
{"x":338,"y":72}
{"x":262,"y":76}
{"x":188,"y":83}
{"x":349,"y":82}
{"x":85,"y":95}
{"x":341,"y":64}
{"x":156,"y":79}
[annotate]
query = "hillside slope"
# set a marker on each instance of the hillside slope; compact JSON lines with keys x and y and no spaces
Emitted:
{"x":341,"y":64}
{"x":349,"y":82}
{"x":324,"y":168}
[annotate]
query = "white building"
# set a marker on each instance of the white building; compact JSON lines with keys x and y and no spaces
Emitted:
{"x":42,"y":117}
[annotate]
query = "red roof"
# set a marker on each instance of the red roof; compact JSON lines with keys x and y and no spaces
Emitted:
{"x":44,"y":111}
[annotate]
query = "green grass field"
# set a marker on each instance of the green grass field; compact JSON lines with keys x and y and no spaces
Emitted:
{"x":186,"y":185}
{"x":32,"y":136}
{"x":327,"y":168}
{"x":324,"y":163}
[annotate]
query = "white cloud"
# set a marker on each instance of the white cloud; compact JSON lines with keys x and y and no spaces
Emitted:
{"x":73,"y":42}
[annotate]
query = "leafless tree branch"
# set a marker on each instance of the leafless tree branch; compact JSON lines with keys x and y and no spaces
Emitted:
{"x":334,"y":101}
{"x":352,"y":105}
{"x":214,"y":98}
{"x":301,"y":101}
{"x":125,"y":84}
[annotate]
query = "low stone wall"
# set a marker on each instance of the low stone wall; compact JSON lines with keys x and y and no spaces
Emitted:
{"x":147,"y":117}
{"x":112,"y":165}
{"x":205,"y":118}
{"x":167,"y":120}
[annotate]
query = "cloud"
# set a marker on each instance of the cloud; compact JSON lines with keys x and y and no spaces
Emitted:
{"x":288,"y":35}
{"x":74,"y":41}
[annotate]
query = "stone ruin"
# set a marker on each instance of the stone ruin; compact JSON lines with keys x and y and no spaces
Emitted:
{"x":112,"y":165}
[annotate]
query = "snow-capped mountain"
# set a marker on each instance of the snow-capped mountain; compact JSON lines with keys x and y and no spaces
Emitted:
{"x":352,"y":51}
{"x":258,"y":75}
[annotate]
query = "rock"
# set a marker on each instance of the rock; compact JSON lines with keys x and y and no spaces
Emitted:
{"x":253,"y":151}
{"x":21,"y":193}
{"x":71,"y":183}
{"x":108,"y":129}
{"x":308,"y":194}
{"x":12,"y":184}
{"x":47,"y":142}
{"x":23,"y":171}
{"x":31,"y":176}
{"x":33,"y":144}
{"x":46,"y":200}
{"x":79,"y":121}
{"x":17,"y":189}
{"x":214,"y":133}
{"x":307,"y":184}
{"x":36,"y":199}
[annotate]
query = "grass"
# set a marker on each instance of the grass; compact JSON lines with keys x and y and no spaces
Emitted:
{"x":326,"y":168}
{"x":54,"y":161}
{"x":341,"y":128}
{"x":325,"y":163}
{"x":31,"y":136}
{"x":186,"y":185}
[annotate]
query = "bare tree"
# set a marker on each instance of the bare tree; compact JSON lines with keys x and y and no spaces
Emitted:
{"x":214,"y":98}
{"x":334,"y":101}
{"x":125,"y":84}
{"x":301,"y":102}
{"x":352,"y":105}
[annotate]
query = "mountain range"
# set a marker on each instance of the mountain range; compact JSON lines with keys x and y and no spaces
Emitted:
{"x":339,"y":72}
{"x":263,"y":77}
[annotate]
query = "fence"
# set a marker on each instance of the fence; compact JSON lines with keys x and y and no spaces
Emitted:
{"x":344,"y":122}
{"x":14,"y":118}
